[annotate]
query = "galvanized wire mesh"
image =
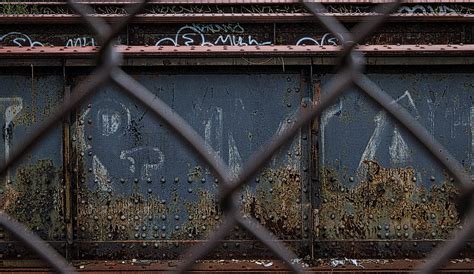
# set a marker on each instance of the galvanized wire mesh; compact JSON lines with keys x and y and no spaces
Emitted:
{"x":350,"y":74}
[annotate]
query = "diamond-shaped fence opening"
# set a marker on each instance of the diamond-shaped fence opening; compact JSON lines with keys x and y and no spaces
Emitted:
{"x":350,"y":73}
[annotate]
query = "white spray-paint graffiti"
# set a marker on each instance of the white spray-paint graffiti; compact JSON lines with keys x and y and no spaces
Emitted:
{"x":19,"y":39}
{"x":294,"y":150}
{"x":110,"y":120}
{"x":189,"y":36}
{"x":398,"y":149}
{"x":326,"y":39}
{"x":235,"y":160}
{"x":14,"y":107}
{"x":426,"y":9}
{"x":101,"y":174}
{"x":213,"y":130}
{"x":156,"y":156}
{"x":219,"y":28}
{"x":80,"y":42}
{"x":373,"y":144}
{"x":325,"y":117}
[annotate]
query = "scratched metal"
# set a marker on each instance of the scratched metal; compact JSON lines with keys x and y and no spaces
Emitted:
{"x":386,"y":185}
{"x":138,"y":183}
{"x":32,"y":190}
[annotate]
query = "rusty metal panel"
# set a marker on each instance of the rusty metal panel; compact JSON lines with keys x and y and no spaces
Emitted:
{"x":379,"y":187}
{"x":32,"y":192}
{"x":139,"y":186}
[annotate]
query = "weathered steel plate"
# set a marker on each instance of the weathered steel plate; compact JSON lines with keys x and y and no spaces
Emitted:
{"x":32,"y":192}
{"x":140,"y":186}
{"x":377,"y":181}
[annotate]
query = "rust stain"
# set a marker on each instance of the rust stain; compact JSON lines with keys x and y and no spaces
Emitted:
{"x":104,"y":217}
{"x":389,"y":204}
{"x":276,"y":202}
{"x":203,"y":216}
{"x":35,"y":199}
{"x":195,"y":173}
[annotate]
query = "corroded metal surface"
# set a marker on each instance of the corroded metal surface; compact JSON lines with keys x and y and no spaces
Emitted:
{"x":32,"y":191}
{"x":282,"y":170}
{"x":387,"y":187}
{"x":137,"y":183}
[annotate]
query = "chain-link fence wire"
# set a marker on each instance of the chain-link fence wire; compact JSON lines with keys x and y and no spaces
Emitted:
{"x":350,"y":74}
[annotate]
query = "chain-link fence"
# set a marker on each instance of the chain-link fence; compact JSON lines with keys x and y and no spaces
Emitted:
{"x":350,"y":73}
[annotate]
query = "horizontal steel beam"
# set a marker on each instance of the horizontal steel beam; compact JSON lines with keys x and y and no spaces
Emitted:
{"x":240,"y":51}
{"x":239,"y":61}
{"x":228,"y":17}
{"x":237,"y":266}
